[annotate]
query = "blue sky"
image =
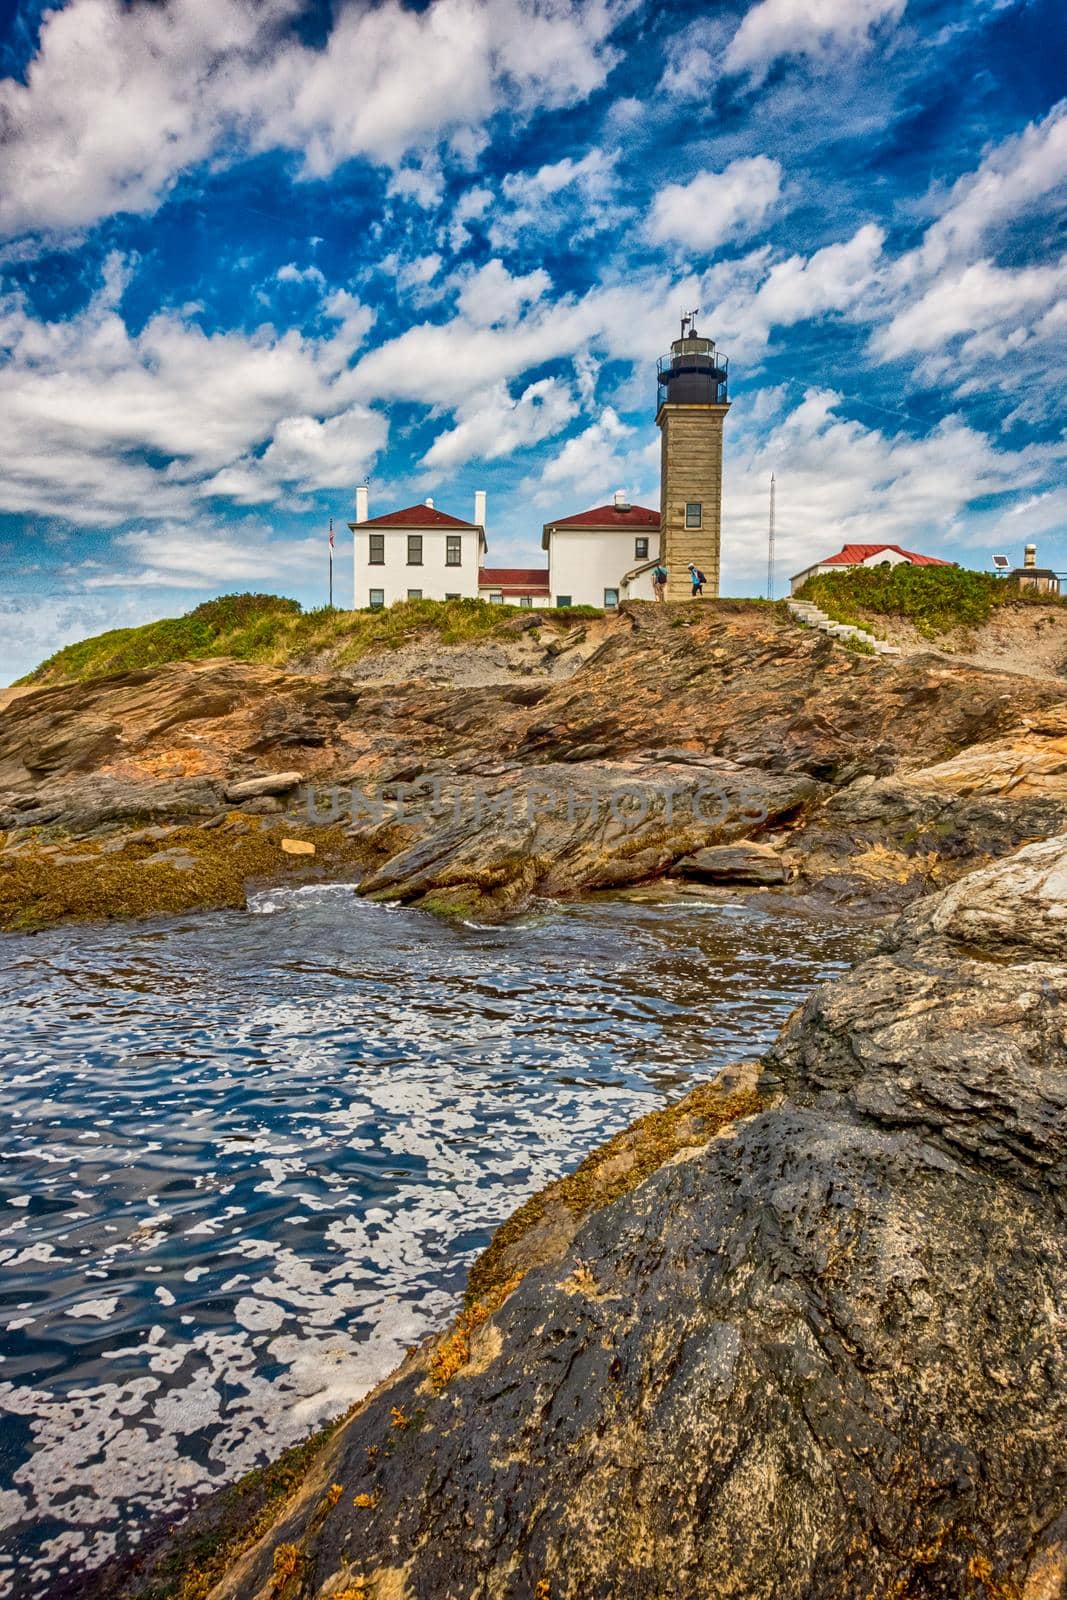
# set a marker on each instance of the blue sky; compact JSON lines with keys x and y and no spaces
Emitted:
{"x":253,"y":251}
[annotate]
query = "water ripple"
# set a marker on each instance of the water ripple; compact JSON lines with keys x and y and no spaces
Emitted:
{"x":249,"y":1158}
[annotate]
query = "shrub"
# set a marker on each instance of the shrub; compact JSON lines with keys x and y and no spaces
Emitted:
{"x":272,"y":629}
{"x":933,"y":599}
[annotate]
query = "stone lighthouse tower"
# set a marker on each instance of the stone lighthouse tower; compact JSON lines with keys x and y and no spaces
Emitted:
{"x":691,"y":411}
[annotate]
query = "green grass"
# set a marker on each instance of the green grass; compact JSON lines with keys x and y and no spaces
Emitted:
{"x":933,"y":599}
{"x":267,"y":628}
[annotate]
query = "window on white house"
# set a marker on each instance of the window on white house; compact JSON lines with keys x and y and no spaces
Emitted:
{"x":452,"y":596}
{"x":496,"y":599}
{"x":525,"y":600}
{"x":377,"y":599}
{"x":611,"y":599}
{"x":563,"y":600}
{"x":453,"y":550}
{"x":692,"y":514}
{"x":376,"y":553}
{"x":414,"y":594}
{"x":414,"y":549}
{"x":640,"y":549}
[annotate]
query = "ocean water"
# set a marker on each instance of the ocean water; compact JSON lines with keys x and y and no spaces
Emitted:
{"x":249,"y":1156}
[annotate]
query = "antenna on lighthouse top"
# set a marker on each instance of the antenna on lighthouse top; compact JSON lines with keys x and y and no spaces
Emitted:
{"x":689,"y":321}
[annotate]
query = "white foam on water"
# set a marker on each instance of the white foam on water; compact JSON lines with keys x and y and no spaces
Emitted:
{"x":307,"y":1142}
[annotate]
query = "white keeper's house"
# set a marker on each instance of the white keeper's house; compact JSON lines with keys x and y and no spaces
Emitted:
{"x":595,"y":558}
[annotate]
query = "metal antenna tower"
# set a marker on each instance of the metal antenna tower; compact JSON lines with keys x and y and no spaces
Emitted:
{"x":770,"y":546}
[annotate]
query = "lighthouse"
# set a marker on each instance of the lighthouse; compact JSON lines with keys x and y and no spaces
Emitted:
{"x":691,"y":409}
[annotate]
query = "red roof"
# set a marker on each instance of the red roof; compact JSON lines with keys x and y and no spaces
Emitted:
{"x":525,"y":579}
{"x":852,"y":555}
{"x":609,"y":517}
{"x":415,"y":517}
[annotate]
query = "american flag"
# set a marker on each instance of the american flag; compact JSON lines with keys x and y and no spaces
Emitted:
{"x":331,"y":533}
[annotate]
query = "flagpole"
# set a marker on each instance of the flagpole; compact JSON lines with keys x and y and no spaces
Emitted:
{"x":331,"y":563}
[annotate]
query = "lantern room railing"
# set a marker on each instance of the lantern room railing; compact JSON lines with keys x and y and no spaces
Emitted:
{"x":697,"y":378}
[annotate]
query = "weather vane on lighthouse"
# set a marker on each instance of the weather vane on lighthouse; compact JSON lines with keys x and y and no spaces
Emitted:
{"x":689,"y":321}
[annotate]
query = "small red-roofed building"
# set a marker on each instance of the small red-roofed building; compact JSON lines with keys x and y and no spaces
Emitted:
{"x":515,"y":586}
{"x":866,"y":555}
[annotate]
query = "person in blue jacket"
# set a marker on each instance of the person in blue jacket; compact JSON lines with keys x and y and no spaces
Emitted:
{"x":697,"y":579}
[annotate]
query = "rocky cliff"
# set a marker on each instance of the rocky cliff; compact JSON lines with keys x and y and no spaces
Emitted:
{"x":801,"y":1336}
{"x":686,"y":729}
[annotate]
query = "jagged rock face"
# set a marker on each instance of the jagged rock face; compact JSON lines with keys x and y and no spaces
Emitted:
{"x":817,"y":1356}
{"x":563,"y":827}
{"x":908,"y":771}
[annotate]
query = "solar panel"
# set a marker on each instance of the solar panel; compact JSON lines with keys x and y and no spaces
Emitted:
{"x":1001,"y":563}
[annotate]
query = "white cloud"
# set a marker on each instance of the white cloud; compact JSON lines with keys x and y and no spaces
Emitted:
{"x":305,"y":454}
{"x":291,"y":273}
{"x":716,"y":206}
{"x":418,"y":279}
{"x":491,"y":424}
{"x":593,"y":464}
{"x":1016,"y":175}
{"x":694,"y":59}
{"x":82,"y":402}
{"x":839,"y":278}
{"x":492,"y":295}
{"x":421,"y":181}
{"x":31,"y":628}
{"x":812,"y":28}
{"x":1011,"y":304}
{"x":120,"y":100}
{"x":576,"y":195}
{"x":973,"y":322}
{"x":191,"y":556}
{"x":471,"y":205}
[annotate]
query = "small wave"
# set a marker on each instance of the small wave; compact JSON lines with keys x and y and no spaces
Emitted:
{"x":265,"y":901}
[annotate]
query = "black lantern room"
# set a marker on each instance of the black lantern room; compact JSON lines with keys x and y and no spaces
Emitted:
{"x":695,"y":373}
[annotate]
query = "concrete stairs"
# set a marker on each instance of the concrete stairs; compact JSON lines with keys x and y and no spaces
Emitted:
{"x":813,"y":617}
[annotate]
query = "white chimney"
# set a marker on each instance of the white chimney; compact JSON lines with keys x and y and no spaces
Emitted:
{"x":1030,"y":556}
{"x":429,"y":501}
{"x":479,"y":508}
{"x":622,"y":502}
{"x":362,"y":503}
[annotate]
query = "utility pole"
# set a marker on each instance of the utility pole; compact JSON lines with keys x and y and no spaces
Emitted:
{"x":770,"y":546}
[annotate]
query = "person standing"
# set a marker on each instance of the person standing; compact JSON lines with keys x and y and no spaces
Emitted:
{"x":659,"y":580}
{"x":697,"y":579}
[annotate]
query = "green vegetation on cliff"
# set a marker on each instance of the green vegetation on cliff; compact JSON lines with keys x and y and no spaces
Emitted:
{"x":933,"y":599}
{"x":269,"y":629}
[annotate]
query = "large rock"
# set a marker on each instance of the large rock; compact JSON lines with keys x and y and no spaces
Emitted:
{"x":816,"y":1355}
{"x":269,"y":784}
{"x":562,"y":828}
{"x":735,"y":863}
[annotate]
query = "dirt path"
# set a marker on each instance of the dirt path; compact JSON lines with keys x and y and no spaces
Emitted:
{"x":1026,"y":640}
